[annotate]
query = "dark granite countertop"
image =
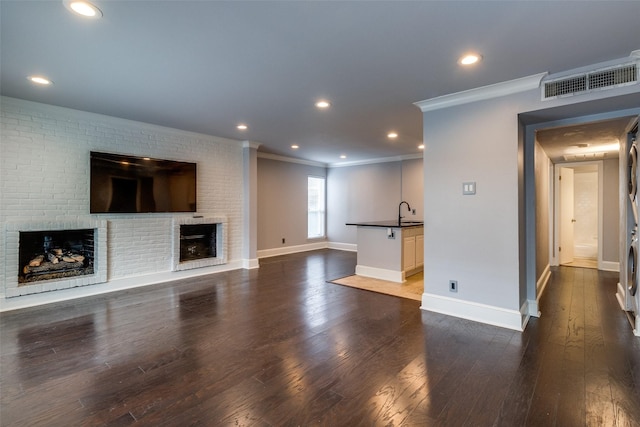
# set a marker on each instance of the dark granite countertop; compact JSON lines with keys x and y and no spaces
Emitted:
{"x":389,"y":223}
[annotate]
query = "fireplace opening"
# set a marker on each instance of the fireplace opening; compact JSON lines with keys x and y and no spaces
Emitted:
{"x":197,"y":241}
{"x":48,"y":255}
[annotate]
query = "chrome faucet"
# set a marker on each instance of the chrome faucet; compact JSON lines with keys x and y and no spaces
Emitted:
{"x":399,"y":215}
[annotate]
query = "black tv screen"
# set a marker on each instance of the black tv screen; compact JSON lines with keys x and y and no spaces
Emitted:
{"x":129,"y":184}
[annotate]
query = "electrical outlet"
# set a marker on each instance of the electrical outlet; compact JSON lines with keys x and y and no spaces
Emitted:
{"x":453,"y":286}
{"x":283,"y":240}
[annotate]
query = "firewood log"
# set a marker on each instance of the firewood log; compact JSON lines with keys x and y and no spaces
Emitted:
{"x":36,"y":261}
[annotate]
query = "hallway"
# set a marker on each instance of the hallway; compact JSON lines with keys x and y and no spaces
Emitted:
{"x":586,"y":359}
{"x":280,"y":346}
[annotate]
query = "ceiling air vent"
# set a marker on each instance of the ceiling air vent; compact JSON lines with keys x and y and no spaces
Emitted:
{"x":614,"y":77}
{"x":607,"y":78}
{"x":565,"y":86}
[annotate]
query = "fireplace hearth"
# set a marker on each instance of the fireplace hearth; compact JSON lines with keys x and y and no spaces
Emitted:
{"x":55,"y":254}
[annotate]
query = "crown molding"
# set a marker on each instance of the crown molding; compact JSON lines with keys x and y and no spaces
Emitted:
{"x":290,"y":159}
{"x":277,"y":157}
{"x":482,"y":93}
{"x":250,"y":144}
{"x":374,"y":161}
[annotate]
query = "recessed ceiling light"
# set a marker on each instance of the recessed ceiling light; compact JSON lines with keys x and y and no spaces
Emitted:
{"x":40,"y":80}
{"x":343,"y":156}
{"x":83,"y":8}
{"x":242,"y":127}
{"x":392,"y":135}
{"x":598,"y":148}
{"x":323,"y":104}
{"x":469,"y":59}
{"x":295,"y":146}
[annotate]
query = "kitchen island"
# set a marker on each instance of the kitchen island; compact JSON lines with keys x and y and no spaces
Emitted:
{"x":390,"y":250}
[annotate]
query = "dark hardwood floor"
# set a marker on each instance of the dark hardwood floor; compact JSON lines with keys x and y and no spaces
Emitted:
{"x":279,"y":346}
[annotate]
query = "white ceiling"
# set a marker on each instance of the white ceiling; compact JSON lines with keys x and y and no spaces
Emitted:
{"x":205,"y":66}
{"x":586,"y":141}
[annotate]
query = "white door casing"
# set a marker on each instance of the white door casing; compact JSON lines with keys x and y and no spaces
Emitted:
{"x":565,"y":251}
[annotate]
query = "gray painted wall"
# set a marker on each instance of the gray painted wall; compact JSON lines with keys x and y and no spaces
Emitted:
{"x":473,"y":239}
{"x":543,"y":190}
{"x":412,"y":186}
{"x":282,"y":202}
{"x":476,"y":239}
{"x":368,"y":192}
{"x":371,"y":192}
{"x":361,"y":193}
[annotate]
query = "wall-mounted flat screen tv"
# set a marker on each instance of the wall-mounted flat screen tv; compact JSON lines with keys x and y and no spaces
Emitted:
{"x":129,"y":184}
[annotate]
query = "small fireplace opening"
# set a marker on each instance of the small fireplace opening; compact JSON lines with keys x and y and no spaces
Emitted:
{"x":197,"y":241}
{"x":55,"y":254}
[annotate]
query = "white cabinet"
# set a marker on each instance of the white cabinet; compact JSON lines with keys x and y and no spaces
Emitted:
{"x":420,"y":250}
{"x":409,"y":253}
{"x":412,"y":250}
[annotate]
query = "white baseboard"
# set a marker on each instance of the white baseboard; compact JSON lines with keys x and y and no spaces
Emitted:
{"x":541,"y":286}
{"x":491,"y":315}
{"x":621,"y":296}
{"x":249,"y":264}
{"x":609,"y":266}
{"x":32,"y":300}
{"x":380,"y":273}
{"x":533,"y":308}
{"x":525,"y":312}
{"x":266,"y":253}
{"x":350,"y":247}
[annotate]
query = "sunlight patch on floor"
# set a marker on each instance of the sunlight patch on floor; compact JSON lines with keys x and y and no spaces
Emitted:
{"x":412,"y":288}
{"x":583,"y":263}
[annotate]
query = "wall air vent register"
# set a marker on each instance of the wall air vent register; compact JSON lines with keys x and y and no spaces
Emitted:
{"x":606,"y":78}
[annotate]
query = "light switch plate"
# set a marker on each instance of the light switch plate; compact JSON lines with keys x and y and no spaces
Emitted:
{"x":468,"y":188}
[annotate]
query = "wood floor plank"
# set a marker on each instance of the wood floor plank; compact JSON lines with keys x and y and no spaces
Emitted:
{"x":280,"y":346}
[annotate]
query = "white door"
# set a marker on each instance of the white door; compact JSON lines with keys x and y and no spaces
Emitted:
{"x":566,"y":216}
{"x":586,"y":200}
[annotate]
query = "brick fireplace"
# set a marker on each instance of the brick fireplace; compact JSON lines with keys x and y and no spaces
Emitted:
{"x":55,"y":254}
{"x":199,"y":242}
{"x":44,"y":256}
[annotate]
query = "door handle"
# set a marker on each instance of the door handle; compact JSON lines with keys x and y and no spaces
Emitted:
{"x":573,"y":220}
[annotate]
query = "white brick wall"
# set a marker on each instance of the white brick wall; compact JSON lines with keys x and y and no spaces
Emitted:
{"x":44,"y":175}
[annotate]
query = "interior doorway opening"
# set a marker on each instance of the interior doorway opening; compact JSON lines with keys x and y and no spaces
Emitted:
{"x":578,"y":214}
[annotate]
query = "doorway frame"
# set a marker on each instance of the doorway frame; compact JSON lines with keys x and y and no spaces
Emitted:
{"x":532,"y":286}
{"x":554,"y":238}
